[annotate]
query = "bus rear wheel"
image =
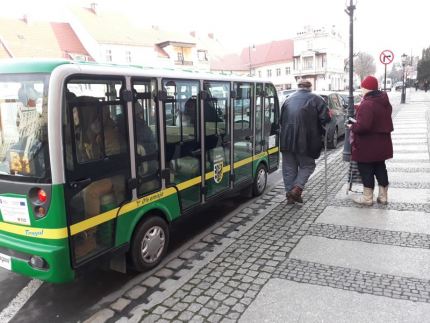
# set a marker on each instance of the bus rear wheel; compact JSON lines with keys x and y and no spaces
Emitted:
{"x":260,"y":180}
{"x":149,"y":244}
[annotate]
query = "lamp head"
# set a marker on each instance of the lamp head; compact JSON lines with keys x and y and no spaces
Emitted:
{"x":404,"y":59}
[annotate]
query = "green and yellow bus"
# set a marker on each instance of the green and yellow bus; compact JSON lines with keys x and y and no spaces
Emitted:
{"x":98,"y":161}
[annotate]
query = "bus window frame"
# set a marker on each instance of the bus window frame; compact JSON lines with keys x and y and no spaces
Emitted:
{"x":133,"y":81}
{"x":80,"y":167}
{"x":47,"y":179}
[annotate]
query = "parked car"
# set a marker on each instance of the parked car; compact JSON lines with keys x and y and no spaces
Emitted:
{"x":389,"y":84}
{"x":283,"y":95}
{"x":398,"y":86}
{"x":336,"y":127}
{"x":345,"y":98}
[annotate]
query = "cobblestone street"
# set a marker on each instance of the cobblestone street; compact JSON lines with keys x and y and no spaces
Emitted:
{"x":328,"y":260}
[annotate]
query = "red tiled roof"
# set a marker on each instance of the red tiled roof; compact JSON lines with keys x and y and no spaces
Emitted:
{"x":230,"y":62}
{"x":35,"y":39}
{"x":108,"y":27}
{"x":161,"y":52}
{"x":276,"y":51}
{"x":67,"y":39}
{"x":3,"y":51}
{"x":270,"y":53}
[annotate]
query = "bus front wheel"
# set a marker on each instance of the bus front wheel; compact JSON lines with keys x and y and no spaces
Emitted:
{"x":260,"y":180}
{"x":149,"y":243}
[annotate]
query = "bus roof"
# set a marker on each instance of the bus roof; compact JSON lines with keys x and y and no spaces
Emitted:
{"x":12,"y":66}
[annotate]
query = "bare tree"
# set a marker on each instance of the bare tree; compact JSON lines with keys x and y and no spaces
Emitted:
{"x":364,"y":64}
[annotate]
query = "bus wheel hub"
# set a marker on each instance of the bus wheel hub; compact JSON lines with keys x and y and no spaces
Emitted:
{"x":153,"y":244}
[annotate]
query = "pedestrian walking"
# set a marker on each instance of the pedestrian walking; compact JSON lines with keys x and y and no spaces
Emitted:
{"x":426,"y":85}
{"x":303,"y":116}
{"x":372,"y":144}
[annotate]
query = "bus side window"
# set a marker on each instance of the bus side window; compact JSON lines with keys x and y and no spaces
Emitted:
{"x":182,"y":140}
{"x":146,"y":134}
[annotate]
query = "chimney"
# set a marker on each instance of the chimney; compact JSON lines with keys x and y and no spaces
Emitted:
{"x":94,"y":7}
{"x":26,"y":19}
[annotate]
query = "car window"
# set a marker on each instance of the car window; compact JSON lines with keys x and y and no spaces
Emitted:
{"x":335,"y":102}
{"x":325,"y":98}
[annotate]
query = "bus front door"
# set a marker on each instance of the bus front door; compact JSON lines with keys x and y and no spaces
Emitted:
{"x":271,"y":126}
{"x":217,"y":134}
{"x":97,"y":167}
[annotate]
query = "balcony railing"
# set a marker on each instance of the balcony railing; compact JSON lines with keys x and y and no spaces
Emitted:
{"x":183,"y":62}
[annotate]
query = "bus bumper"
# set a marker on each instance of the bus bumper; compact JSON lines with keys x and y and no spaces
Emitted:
{"x":46,"y":262}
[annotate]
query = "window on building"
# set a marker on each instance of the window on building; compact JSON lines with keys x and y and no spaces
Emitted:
{"x":202,"y":55}
{"x":323,"y":61}
{"x":108,"y":55}
{"x":269,"y":73}
{"x":287,"y":71}
{"x":278,"y":72}
{"x":128,"y":56}
{"x":180,"y":57}
{"x":308,"y":63}
{"x":259,"y":73}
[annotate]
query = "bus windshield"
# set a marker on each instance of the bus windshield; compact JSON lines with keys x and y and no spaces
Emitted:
{"x":23,"y":125}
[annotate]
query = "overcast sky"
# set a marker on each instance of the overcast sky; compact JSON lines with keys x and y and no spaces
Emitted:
{"x":401,"y":26}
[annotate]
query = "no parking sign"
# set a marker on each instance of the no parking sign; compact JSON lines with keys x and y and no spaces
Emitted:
{"x":386,"y":57}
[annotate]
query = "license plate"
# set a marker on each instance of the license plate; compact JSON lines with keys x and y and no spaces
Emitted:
{"x":5,"y":261}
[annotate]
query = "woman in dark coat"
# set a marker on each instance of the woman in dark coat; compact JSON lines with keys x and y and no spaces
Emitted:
{"x":372,"y":144}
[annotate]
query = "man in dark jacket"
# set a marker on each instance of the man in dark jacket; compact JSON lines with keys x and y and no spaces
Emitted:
{"x":372,"y":145}
{"x":303,"y":116}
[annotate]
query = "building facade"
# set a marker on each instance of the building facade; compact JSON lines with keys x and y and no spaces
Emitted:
{"x":319,"y":56}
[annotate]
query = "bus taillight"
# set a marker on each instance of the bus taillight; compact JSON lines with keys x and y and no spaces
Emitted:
{"x":41,"y":195}
{"x":38,"y":197}
{"x":39,"y":212}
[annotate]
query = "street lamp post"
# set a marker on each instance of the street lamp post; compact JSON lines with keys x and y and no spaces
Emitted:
{"x":403,"y":97}
{"x":347,"y":145}
{"x":249,"y":58}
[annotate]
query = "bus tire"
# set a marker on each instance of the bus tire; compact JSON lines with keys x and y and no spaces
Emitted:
{"x":260,"y":180}
{"x":149,"y":244}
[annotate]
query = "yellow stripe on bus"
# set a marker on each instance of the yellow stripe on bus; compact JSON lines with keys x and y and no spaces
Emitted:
{"x":32,"y":232}
{"x":147,"y":199}
{"x":242,"y":162}
{"x":189,"y":183}
{"x":92,"y":222}
{"x":273,"y":150}
{"x":260,"y":155}
{"x":62,"y":233}
{"x":210,"y":175}
{"x":107,"y":216}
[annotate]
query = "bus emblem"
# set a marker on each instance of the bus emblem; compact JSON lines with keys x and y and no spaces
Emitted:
{"x":218,"y":173}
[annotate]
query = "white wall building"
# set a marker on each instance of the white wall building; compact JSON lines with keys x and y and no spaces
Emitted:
{"x":319,"y":56}
{"x":280,"y":74}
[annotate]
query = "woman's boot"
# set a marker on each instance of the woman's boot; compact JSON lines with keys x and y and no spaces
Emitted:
{"x":382,"y":195}
{"x":366,"y":198}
